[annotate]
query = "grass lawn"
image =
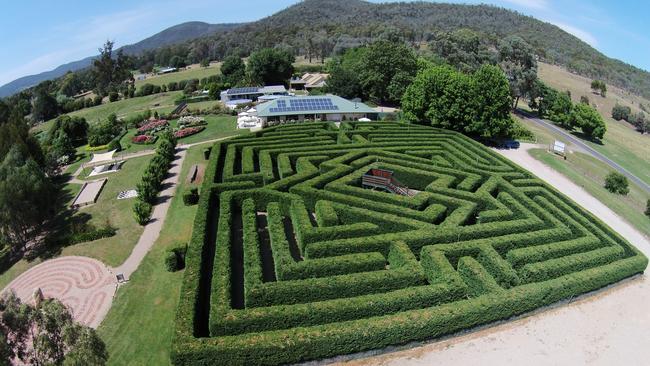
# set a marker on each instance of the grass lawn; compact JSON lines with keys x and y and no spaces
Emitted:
{"x":138,"y":329}
{"x":622,"y":143}
{"x":589,"y":173}
{"x":111,"y":251}
{"x":193,"y":72}
{"x":201,"y":105}
{"x":162,"y":102}
{"x":218,"y":126}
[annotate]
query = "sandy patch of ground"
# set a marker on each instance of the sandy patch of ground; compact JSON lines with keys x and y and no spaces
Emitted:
{"x":608,"y":327}
{"x":84,"y":284}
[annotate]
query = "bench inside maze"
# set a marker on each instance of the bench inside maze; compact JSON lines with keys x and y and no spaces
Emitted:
{"x":293,"y":259}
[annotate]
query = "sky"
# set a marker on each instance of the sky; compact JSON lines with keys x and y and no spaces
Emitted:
{"x":39,"y":35}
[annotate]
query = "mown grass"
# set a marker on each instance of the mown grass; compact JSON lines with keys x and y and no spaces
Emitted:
{"x":162,"y":102}
{"x":589,"y":173}
{"x":622,"y":143}
{"x":218,"y":126}
{"x":193,"y":72}
{"x":138,"y":329}
{"x":108,"y":210}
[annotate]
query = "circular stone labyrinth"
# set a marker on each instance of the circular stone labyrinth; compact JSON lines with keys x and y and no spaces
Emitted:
{"x":84,"y":284}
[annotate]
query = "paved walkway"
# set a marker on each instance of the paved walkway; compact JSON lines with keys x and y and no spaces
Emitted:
{"x":152,"y":229}
{"x":609,"y":327}
{"x":87,"y":285}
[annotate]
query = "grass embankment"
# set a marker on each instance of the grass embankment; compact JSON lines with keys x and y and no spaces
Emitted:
{"x":138,"y":329}
{"x":162,"y":102}
{"x":622,"y":143}
{"x":194,"y":71}
{"x":108,"y":209}
{"x":589,"y":173}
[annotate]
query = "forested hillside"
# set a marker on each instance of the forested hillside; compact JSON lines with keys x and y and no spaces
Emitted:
{"x":324,"y":26}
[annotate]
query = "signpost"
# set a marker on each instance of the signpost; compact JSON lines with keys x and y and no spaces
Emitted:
{"x":559,"y":148}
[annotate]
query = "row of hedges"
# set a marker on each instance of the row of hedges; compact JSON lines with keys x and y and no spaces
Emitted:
{"x":152,"y":179}
{"x":492,"y":243}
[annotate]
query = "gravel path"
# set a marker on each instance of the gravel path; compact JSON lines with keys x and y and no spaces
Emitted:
{"x":609,"y":327}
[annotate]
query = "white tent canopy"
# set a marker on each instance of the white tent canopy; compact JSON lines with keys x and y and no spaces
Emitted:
{"x":252,"y":110}
{"x":242,"y":114}
{"x":98,"y":158}
{"x":364,"y":119}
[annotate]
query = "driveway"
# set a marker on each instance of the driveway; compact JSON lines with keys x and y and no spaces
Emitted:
{"x":576,"y":141}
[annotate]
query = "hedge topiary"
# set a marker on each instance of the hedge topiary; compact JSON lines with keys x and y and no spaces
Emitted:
{"x":293,"y":259}
{"x":141,"y":211}
{"x":192,"y":197}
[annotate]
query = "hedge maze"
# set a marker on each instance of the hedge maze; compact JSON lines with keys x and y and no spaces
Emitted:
{"x":291,"y":259}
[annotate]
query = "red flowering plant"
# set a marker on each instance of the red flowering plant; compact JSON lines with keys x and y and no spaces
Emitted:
{"x":153,"y":125}
{"x":188,"y":131}
{"x":143,"y":139}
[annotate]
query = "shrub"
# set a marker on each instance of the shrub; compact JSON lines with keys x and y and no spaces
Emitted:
{"x":113,"y":96}
{"x":620,"y":112}
{"x":142,"y":212}
{"x":617,"y":183}
{"x":175,"y":258}
{"x":115,"y":145}
{"x":647,"y":209}
{"x":191,"y":198}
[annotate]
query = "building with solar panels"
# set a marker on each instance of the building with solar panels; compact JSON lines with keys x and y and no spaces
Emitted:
{"x":313,"y":108}
{"x":251,"y":93}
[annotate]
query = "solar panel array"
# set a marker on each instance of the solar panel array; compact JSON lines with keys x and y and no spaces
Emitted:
{"x":247,"y":90}
{"x":304,"y":104}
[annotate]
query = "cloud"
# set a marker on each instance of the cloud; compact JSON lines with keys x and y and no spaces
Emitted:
{"x":580,"y":33}
{"x":533,"y":4}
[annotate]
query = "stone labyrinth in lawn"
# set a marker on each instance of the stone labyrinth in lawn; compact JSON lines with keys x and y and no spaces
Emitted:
{"x":292,"y":259}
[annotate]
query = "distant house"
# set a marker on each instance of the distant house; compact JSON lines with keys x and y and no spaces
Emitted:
{"x":314,"y":108}
{"x":309,"y":81}
{"x":252,"y":92}
{"x":167,"y":70}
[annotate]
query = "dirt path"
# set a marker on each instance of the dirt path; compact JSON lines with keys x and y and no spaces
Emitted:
{"x":609,"y":327}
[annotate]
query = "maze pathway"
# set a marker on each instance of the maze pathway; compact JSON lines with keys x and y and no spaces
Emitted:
{"x":292,"y":259}
{"x":84,"y":284}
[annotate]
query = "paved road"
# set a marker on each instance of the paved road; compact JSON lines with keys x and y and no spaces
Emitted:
{"x":576,"y":141}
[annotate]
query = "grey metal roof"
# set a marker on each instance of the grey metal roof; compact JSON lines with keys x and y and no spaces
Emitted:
{"x":270,"y":89}
{"x":246,"y":90}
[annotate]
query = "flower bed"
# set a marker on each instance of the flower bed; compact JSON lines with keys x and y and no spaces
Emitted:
{"x":153,"y":125}
{"x":189,"y":121}
{"x":188,"y":131}
{"x":144,"y":139}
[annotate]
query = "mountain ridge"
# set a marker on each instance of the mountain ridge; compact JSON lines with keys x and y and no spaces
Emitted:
{"x":349,"y":23}
{"x":172,"y":35}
